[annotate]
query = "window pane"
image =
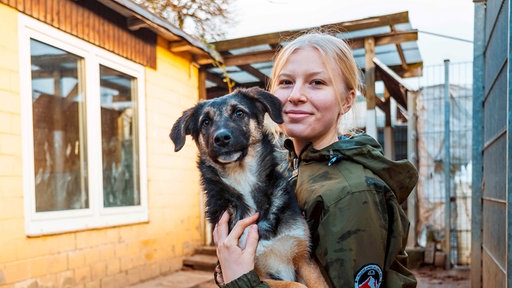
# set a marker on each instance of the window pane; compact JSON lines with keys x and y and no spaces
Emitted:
{"x":119,"y":139}
{"x":59,"y":133}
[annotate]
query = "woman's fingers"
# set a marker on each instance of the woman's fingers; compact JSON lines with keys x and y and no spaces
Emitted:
{"x":234,"y":260}
{"x":252,"y":240}
{"x":220,"y":232}
{"x":239,"y":228}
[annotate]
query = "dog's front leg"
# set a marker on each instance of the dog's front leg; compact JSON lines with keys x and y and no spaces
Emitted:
{"x":307,"y":269}
{"x":310,"y":273}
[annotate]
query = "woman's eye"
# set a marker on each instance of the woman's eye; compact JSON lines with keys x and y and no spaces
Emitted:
{"x":239,"y":114}
{"x":317,"y":82}
{"x":285,"y":82}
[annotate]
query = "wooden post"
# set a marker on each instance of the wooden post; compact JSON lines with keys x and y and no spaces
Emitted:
{"x":412,"y":156}
{"x":371,"y":119}
{"x":389,"y":141}
{"x":202,"y":84}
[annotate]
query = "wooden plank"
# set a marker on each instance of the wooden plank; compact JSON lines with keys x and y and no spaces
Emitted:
{"x":20,"y":4}
{"x":80,"y":22}
{"x":67,"y":23}
{"x":399,"y":50}
{"x":32,"y":8}
{"x":73,"y":22}
{"x":413,"y":70}
{"x":48,"y":9}
{"x":255,"y":72}
{"x":218,"y":80}
{"x":255,"y":57}
{"x":385,"y":39}
{"x":277,"y":37}
{"x":264,"y":56}
{"x":270,"y":38}
{"x":202,"y":84}
{"x":84,"y":23}
{"x":179,"y":46}
{"x":55,"y":13}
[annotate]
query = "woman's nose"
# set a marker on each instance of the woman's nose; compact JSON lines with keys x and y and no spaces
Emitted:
{"x":297,"y":94}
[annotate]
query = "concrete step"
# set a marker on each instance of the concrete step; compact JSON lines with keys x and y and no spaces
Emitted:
{"x":180,"y":279}
{"x":200,"y":262}
{"x":206,"y":250}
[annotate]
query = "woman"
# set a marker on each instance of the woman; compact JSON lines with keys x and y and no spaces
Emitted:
{"x":349,"y":192}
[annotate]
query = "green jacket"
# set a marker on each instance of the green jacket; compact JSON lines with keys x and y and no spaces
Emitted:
{"x":350,"y":195}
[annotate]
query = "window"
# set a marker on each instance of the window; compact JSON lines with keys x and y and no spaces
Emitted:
{"x":83,"y":139}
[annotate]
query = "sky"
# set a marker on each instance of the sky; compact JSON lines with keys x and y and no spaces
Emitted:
{"x":453,"y":18}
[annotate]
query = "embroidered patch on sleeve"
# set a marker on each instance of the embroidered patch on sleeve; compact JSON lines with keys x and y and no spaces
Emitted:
{"x":369,"y":276}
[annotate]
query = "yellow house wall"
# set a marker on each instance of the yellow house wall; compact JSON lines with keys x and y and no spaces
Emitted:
{"x":110,"y":257}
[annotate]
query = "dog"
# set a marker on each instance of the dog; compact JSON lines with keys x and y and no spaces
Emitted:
{"x":240,"y":173}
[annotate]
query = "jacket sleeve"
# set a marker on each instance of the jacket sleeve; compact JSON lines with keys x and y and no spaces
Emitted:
{"x":352,"y":237}
{"x":249,"y":280}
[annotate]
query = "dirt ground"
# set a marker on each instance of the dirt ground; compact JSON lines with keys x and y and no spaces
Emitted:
{"x":428,"y":277}
{"x":436,"y":277}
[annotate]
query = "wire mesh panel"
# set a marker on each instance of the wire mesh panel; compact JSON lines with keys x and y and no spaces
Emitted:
{"x":432,"y":148}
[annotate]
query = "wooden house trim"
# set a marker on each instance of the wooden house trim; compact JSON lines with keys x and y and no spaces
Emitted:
{"x":93,"y":22}
{"x":122,"y":27}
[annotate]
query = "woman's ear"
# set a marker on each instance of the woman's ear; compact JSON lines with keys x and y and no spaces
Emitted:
{"x":349,"y":100}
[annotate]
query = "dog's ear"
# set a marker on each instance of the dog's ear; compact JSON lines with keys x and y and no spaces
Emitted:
{"x":271,"y":103}
{"x":181,"y":129}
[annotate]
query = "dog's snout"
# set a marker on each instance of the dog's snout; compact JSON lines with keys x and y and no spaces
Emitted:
{"x":222,"y":138}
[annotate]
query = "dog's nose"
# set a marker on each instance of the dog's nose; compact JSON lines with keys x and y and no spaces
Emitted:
{"x":222,"y":138}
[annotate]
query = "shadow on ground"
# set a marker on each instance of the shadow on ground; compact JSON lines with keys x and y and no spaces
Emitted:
{"x":436,"y":277}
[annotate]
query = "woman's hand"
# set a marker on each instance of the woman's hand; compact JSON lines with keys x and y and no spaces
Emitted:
{"x":234,"y":260}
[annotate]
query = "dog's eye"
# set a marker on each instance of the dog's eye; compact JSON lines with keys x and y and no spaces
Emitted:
{"x":205,"y":123}
{"x":239,"y":113}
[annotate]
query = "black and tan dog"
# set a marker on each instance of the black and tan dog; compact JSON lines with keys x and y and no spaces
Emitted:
{"x":239,"y":173}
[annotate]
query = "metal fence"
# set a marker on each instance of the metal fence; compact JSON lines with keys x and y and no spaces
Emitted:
{"x":444,"y":124}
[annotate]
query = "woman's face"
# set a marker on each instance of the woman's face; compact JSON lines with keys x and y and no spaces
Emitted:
{"x":310,"y":101}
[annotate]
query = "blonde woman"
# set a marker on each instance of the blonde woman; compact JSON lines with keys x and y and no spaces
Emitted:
{"x":349,"y":193}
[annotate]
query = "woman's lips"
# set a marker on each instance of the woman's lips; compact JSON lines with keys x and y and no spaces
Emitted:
{"x":296,"y":114}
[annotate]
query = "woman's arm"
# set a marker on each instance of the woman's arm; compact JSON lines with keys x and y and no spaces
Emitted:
{"x":237,"y":264}
{"x":352,"y":237}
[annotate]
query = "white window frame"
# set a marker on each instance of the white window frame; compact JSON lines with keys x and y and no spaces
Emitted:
{"x":96,"y":216}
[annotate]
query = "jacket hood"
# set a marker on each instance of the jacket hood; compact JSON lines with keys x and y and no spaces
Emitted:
{"x":401,"y":176}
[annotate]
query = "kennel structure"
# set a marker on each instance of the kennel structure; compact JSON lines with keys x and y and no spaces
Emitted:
{"x":492,"y":146}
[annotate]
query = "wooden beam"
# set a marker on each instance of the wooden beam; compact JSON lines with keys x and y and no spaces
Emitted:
{"x":271,"y":38}
{"x":371,"y":117}
{"x":381,"y":104}
{"x":255,"y":72}
{"x":385,"y":39}
{"x":265,"y":56}
{"x":179,"y":46}
{"x":413,"y":70}
{"x":278,"y":37}
{"x":250,"y":58}
{"x":371,"y":22}
{"x":387,"y":107}
{"x":133,"y":23}
{"x":399,"y":50}
{"x":219,"y":81}
{"x":202,"y":84}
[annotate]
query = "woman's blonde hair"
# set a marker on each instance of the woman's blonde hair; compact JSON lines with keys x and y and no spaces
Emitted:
{"x":336,"y":54}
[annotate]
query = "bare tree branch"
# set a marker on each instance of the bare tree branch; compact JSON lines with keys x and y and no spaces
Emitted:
{"x":205,"y":19}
